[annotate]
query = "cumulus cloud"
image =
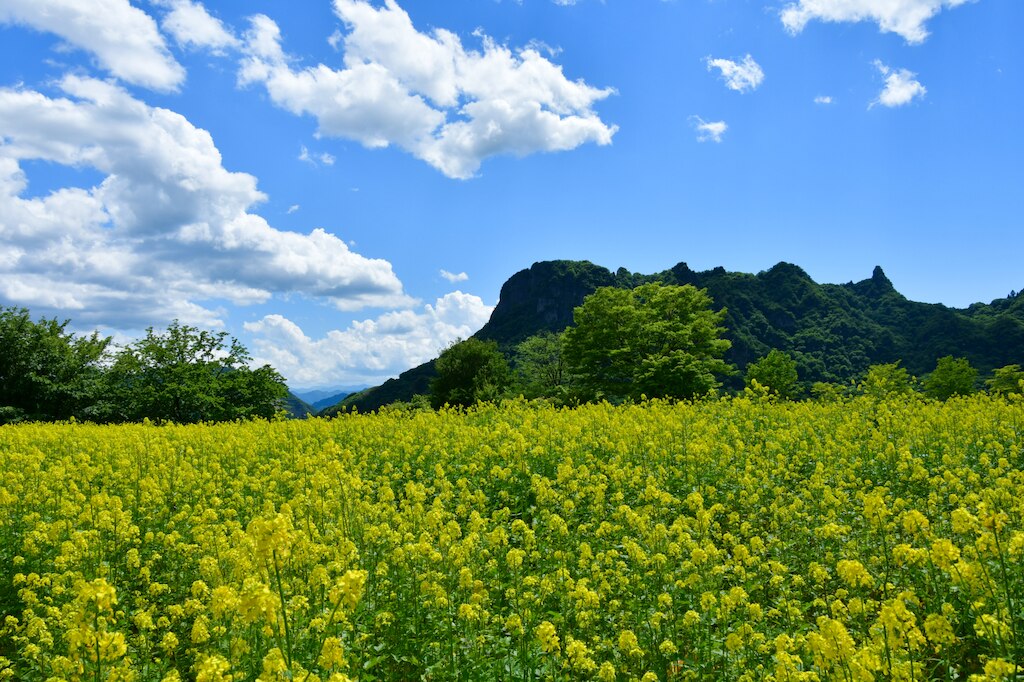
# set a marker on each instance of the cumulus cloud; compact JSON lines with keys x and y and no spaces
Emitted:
{"x":741,"y":76}
{"x":823,"y":99}
{"x":426,"y":93}
{"x":191,"y":25}
{"x":166,"y":232}
{"x":454,"y":277}
{"x":708,"y":131}
{"x":905,"y":18}
{"x":123,"y":39}
{"x":901,"y":86}
{"x":368,"y":351}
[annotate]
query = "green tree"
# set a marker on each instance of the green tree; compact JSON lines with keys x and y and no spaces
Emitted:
{"x":468,"y":372}
{"x":824,"y":392}
{"x":655,"y":340}
{"x":951,"y":376}
{"x":777,"y":373}
{"x":1006,"y":380}
{"x":47,"y":372}
{"x":541,"y":368}
{"x":887,"y":379}
{"x":189,"y":375}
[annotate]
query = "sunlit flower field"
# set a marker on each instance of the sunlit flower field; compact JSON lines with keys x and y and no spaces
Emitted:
{"x":732,"y":539}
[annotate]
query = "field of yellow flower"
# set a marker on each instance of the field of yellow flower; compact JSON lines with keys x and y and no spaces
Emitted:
{"x":731,"y":539}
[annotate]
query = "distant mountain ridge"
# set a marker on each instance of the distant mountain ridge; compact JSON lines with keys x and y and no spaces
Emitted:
{"x":835,"y":331}
{"x":316,"y":395}
{"x":329,"y":400}
{"x":303,"y":403}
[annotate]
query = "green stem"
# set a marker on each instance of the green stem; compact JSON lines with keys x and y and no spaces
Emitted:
{"x":323,"y":640}
{"x":99,"y":662}
{"x":992,"y":588}
{"x":888,"y":653}
{"x":284,"y":613}
{"x":1012,"y":613}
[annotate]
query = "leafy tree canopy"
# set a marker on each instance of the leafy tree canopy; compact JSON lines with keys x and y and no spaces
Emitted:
{"x":824,"y":392}
{"x":541,"y":368}
{"x":189,"y":375}
{"x":1006,"y":380}
{"x":656,"y":340}
{"x":887,"y":379}
{"x":951,"y":376}
{"x":46,"y":372}
{"x":468,"y":372}
{"x":777,"y":373}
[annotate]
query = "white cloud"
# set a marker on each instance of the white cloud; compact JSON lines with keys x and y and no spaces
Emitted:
{"x":316,"y":158}
{"x":292,"y":209}
{"x":428,"y":94}
{"x":823,"y":99}
{"x":742,"y":76}
{"x":901,"y":86}
{"x":124,"y":39}
{"x":190,"y":24}
{"x":368,"y":351}
{"x":543,"y":48}
{"x":168,"y":230}
{"x":708,"y":130}
{"x":905,"y":18}
{"x":454,"y":277}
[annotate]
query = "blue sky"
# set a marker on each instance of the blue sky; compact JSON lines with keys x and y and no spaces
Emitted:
{"x":344,"y":186}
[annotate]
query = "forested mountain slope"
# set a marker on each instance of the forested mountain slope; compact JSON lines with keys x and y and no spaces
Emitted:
{"x":834,"y":331}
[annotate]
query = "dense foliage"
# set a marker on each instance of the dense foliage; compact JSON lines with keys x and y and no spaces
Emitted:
{"x":777,"y":373}
{"x":541,"y":368}
{"x":468,"y":372}
{"x":834,"y":332}
{"x":186,"y":375}
{"x":1006,"y":380}
{"x":951,"y":376}
{"x":183,"y":374}
{"x":655,"y":340}
{"x":45,"y":371}
{"x":887,"y":380}
{"x":733,"y":539}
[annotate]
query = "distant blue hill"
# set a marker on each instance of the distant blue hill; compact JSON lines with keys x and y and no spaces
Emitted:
{"x":329,"y":400}
{"x":312,"y":396}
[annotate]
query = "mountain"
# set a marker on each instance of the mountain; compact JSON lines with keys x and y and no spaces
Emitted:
{"x":534,"y":300}
{"x":296,"y":407}
{"x":311,"y":395}
{"x":834,"y":331}
{"x":329,"y":400}
{"x":315,"y":395}
{"x":404,"y":387}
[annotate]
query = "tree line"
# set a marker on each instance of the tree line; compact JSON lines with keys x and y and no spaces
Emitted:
{"x":626,"y":344}
{"x":664,"y":341}
{"x":182,"y":374}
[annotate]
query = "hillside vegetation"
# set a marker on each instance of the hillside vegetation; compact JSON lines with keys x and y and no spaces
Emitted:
{"x":835,"y":332}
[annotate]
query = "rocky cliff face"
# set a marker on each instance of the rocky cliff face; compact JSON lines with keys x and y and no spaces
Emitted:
{"x":542,"y":298}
